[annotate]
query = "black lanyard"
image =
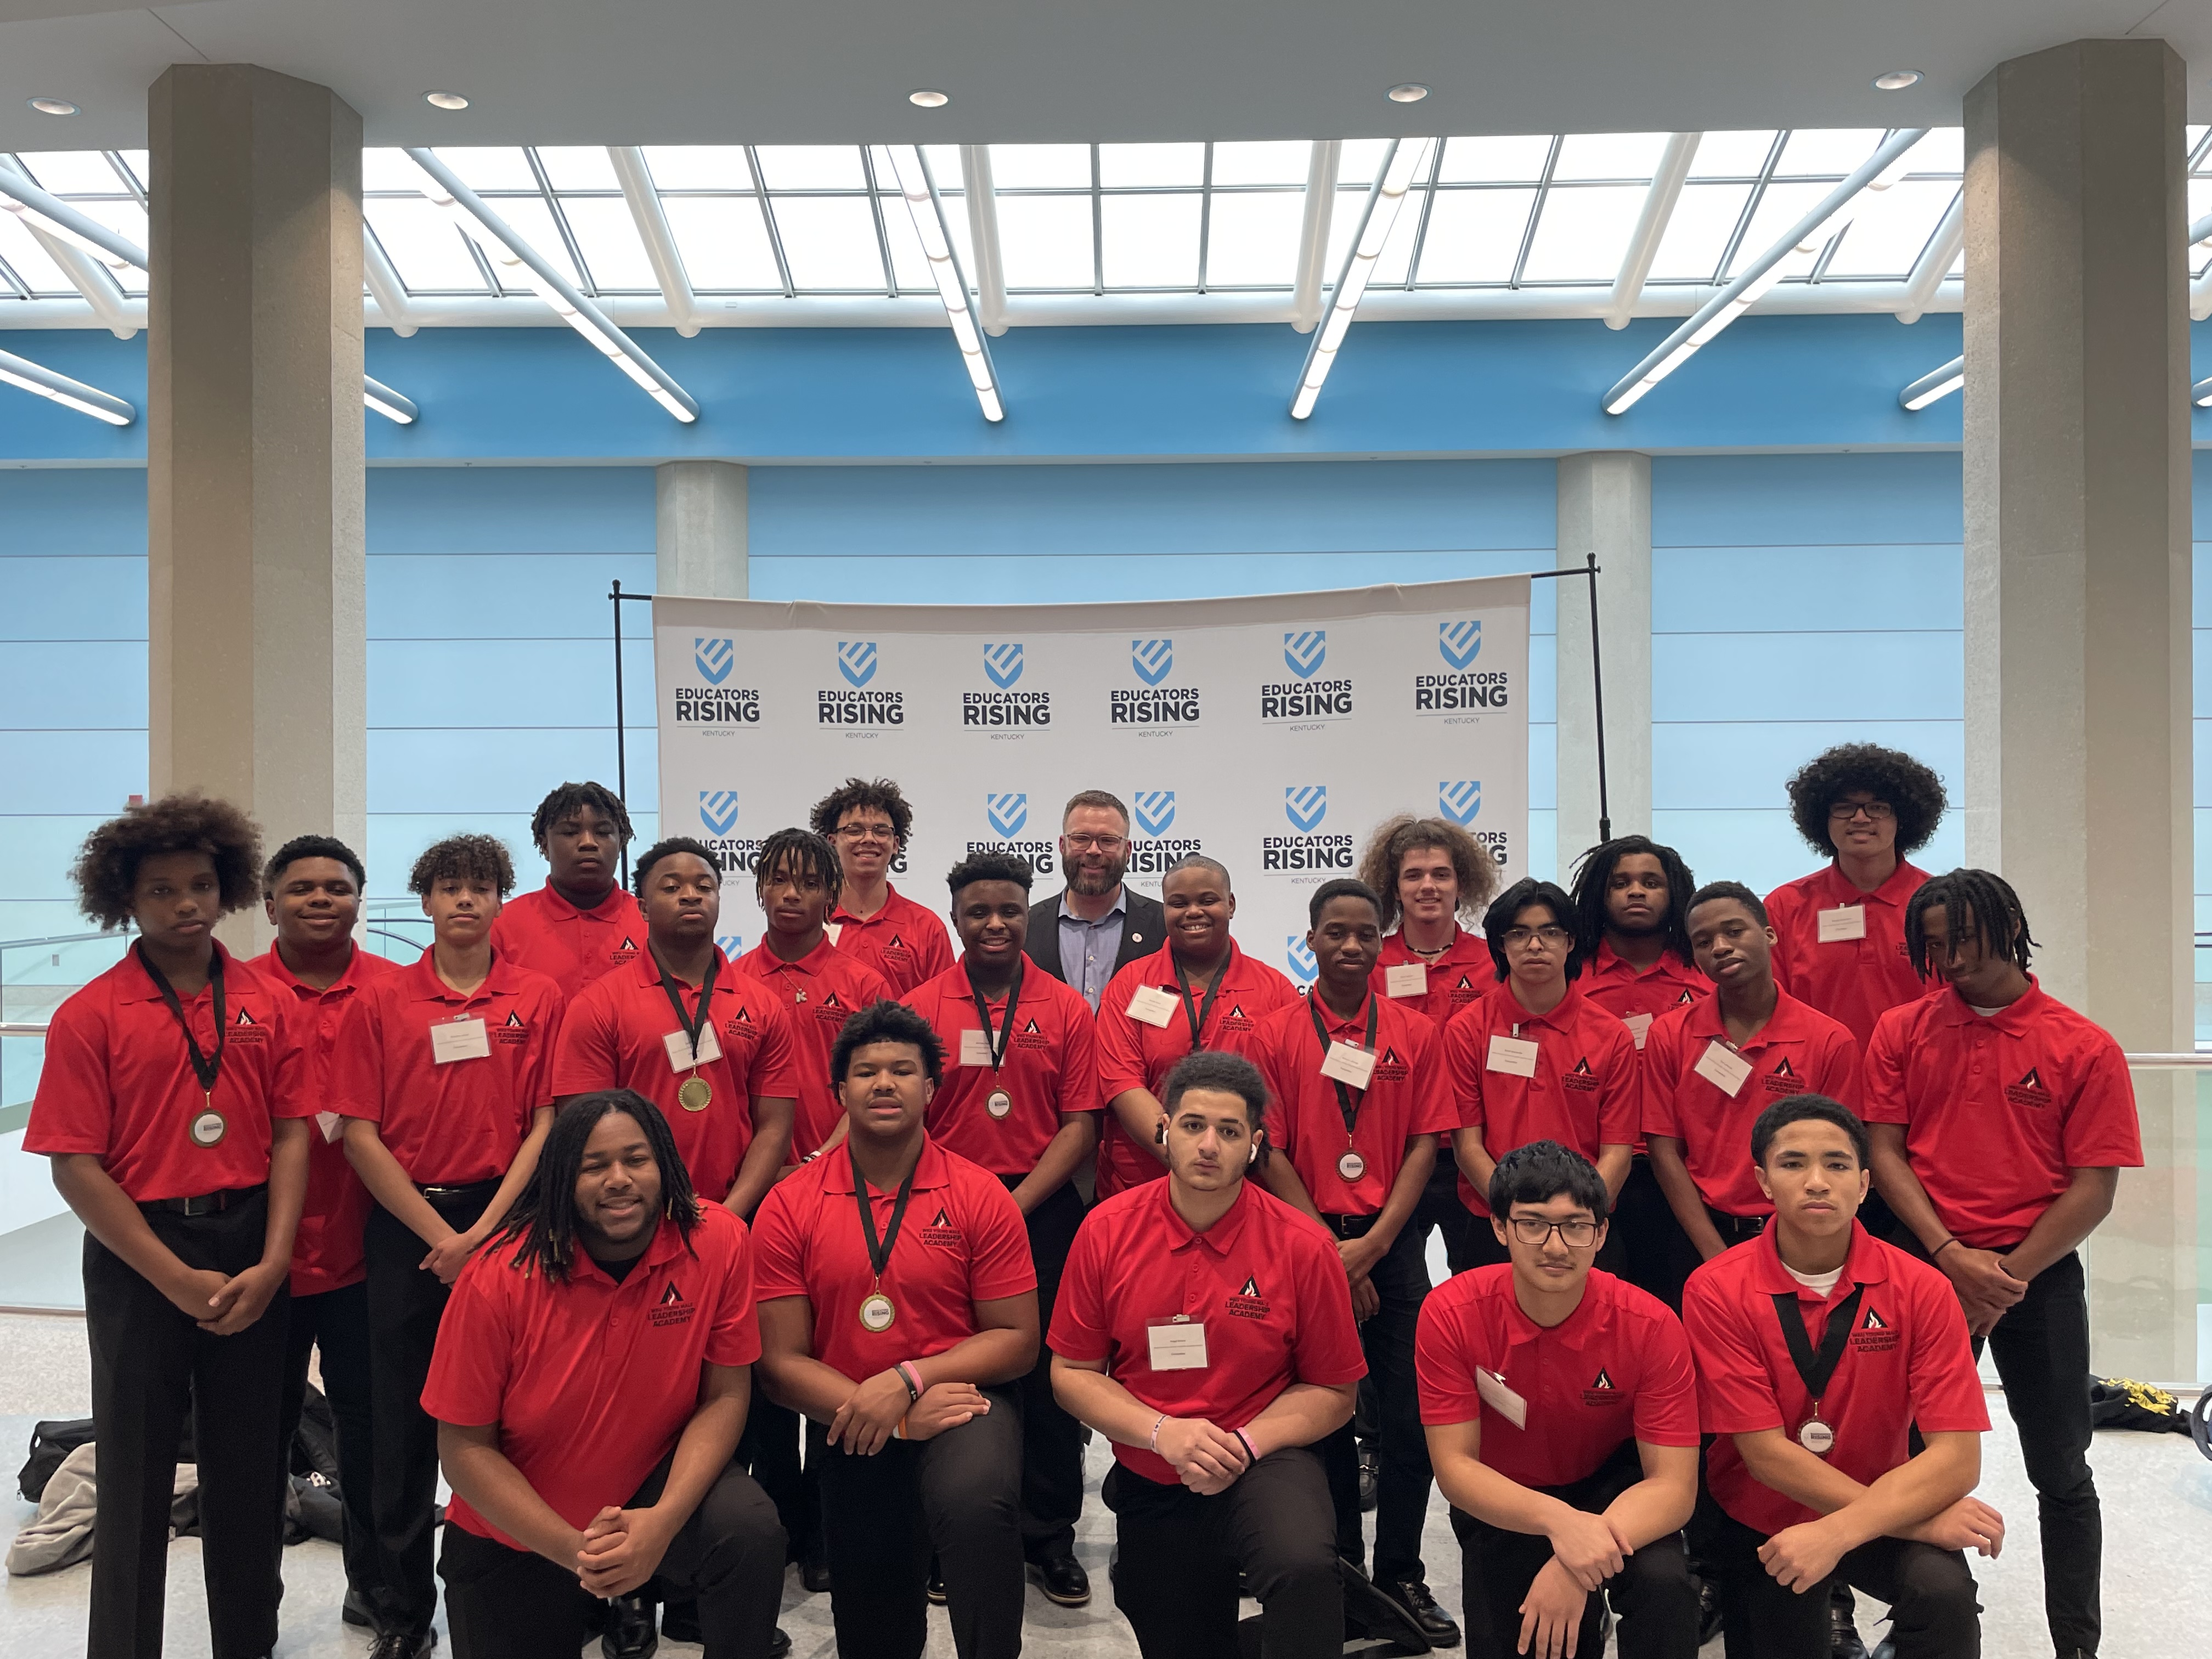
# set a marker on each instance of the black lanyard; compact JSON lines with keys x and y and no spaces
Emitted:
{"x":880,"y":1255}
{"x":692,"y":1025}
{"x":1198,"y":1015}
{"x":206,"y":1067}
{"x":997,"y":1045}
{"x":1816,"y":1370}
{"x":1345,"y":1103}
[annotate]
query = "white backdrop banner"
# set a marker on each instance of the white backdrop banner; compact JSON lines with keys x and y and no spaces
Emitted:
{"x":1272,"y":733}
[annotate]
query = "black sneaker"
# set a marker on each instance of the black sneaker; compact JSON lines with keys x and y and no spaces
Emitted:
{"x":1063,"y":1580}
{"x":402,"y":1644}
{"x":814,"y":1575}
{"x":1709,"y":1610}
{"x":631,"y":1633}
{"x":1436,"y":1624}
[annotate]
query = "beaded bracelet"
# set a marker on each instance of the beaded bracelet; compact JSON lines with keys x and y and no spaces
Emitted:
{"x":1156,"y":1421}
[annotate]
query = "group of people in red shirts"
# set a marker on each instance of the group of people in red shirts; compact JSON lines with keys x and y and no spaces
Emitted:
{"x":683,"y":1267}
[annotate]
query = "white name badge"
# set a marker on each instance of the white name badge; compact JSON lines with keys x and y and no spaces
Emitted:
{"x":1178,"y":1345}
{"x":831,"y":929}
{"x":1500,"y":1398}
{"x":680,"y":1055}
{"x":974,"y":1048}
{"x":1515,"y":1056}
{"x":1152,"y":1006}
{"x":332,"y":1125}
{"x":1407,"y":979}
{"x":1844,"y":923}
{"x":1346,"y":1062}
{"x":459,"y":1039}
{"x":1639,"y":1026}
{"x":1724,"y":1069}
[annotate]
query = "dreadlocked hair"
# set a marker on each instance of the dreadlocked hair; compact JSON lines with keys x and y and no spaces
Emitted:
{"x":541,"y":1225}
{"x":1977,"y":902}
{"x":808,"y":854}
{"x":1394,"y":838}
{"x":577,"y":797}
{"x":1913,"y":791}
{"x":1594,"y":879}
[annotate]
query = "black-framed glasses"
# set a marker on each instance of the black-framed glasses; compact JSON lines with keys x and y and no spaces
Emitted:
{"x":1104,"y":844}
{"x":1877,"y":811}
{"x":1533,"y":1230}
{"x":1551,"y":933}
{"x":865,"y":832}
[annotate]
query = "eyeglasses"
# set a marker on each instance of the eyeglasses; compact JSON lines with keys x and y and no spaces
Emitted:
{"x":1877,"y":811}
{"x":1084,"y":843}
{"x":1575,"y":1234}
{"x":865,"y":832}
{"x":1517,"y":938}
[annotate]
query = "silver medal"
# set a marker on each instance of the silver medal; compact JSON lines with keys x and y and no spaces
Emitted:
{"x":1352,"y":1166}
{"x":1000,"y":1104}
{"x":1816,"y":1437}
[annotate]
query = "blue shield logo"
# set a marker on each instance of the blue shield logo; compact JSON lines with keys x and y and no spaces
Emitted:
{"x":714,"y":659}
{"x":1003,"y":662}
{"x":1461,"y":642}
{"x":856,"y":660}
{"x":1299,"y":958}
{"x":733,"y":944}
{"x":717,"y":811}
{"x":1305,"y":805}
{"x":1151,"y":659}
{"x":1303,"y":653}
{"x":1459,"y":802}
{"x":1155,"y":810}
{"x":1009,"y":814}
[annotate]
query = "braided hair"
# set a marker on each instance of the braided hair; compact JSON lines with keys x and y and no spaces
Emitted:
{"x":576,"y":798}
{"x":542,"y":1222}
{"x":1980,"y":902}
{"x":1594,"y":879}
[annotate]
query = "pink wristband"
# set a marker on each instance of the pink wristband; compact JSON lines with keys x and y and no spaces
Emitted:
{"x":1251,"y":1450}
{"x":911,"y":1377}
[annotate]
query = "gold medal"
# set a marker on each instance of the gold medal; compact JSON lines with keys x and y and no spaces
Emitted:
{"x":1000,"y":1104}
{"x":1816,"y":1437}
{"x":877,"y":1313}
{"x":207,"y":1128}
{"x":696,"y":1094}
{"x":1351,"y":1166}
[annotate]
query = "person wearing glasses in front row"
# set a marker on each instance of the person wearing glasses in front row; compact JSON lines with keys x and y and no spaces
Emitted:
{"x":868,"y":823}
{"x":1085,"y":935}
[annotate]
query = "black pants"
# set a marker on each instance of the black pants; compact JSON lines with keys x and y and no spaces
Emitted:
{"x":1655,"y":1254}
{"x":1933,"y":1611}
{"x":337,"y":1321}
{"x":770,"y":1451}
{"x":1482,"y":1248}
{"x":1401,"y":1282}
{"x":150,"y":1363}
{"x":515,"y":1604}
{"x":1440,"y":1208}
{"x":1052,"y":1441}
{"x":405,"y":1302}
{"x":1652,"y":1595}
{"x":1175,"y":1567}
{"x":957,"y":1497}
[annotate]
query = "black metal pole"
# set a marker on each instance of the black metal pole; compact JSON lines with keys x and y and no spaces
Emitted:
{"x":1597,"y":694}
{"x":621,"y":750}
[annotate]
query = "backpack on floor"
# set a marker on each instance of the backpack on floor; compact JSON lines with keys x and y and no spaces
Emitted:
{"x":2121,"y":1402}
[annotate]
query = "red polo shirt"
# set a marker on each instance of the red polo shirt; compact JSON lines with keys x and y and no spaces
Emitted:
{"x":571,"y":947}
{"x":1906,"y":1364}
{"x":326,"y":1252}
{"x":1133,"y":1055}
{"x":1617,"y":1368}
{"x":1999,"y":1111}
{"x":1051,"y":1067}
{"x":1798,"y":1051}
{"x":904,"y":942}
{"x":613,"y":1035}
{"x":452,"y":1124}
{"x":1853,"y":980}
{"x":1460,"y":977}
{"x":591,"y":1383}
{"x":1405,"y":1096}
{"x":117,"y":1081}
{"x":822,"y":990}
{"x":1585,"y":1093}
{"x":963,"y":1241}
{"x":1265,"y":1280}
{"x":1636,"y":998}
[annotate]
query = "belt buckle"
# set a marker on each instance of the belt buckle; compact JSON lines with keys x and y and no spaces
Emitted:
{"x":204,"y":1204}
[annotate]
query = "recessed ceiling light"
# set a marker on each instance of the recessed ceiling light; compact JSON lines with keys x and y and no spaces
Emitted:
{"x":1897,"y":80}
{"x":53,"y":106}
{"x":1408,"y":92}
{"x":929,"y":98}
{"x":445,"y":101}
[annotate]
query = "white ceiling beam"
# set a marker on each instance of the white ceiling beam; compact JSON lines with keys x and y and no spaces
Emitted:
{"x":1313,"y":233}
{"x":926,"y":208}
{"x":39,"y":209}
{"x":1402,"y":163}
{"x":393,"y":405}
{"x":983,"y":197}
{"x":1935,"y":260}
{"x":51,"y":384}
{"x":651,"y":219}
{"x":1934,"y":385}
{"x":386,"y":288}
{"x":90,"y":278}
{"x":1652,"y":226}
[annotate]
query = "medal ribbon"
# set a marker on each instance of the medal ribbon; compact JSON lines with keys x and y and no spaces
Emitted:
{"x":997,"y":1044}
{"x":692,"y":1026}
{"x":1816,"y":1370}
{"x":1345,"y":1103}
{"x":879,"y":1253}
{"x":1199,"y":1013}
{"x":206,"y":1067}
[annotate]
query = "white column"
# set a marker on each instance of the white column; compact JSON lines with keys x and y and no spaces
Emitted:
{"x":2077,"y":489}
{"x":1605,"y":508}
{"x":700,"y":529}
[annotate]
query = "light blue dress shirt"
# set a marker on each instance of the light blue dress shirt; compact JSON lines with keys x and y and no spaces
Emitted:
{"x":1087,"y":949}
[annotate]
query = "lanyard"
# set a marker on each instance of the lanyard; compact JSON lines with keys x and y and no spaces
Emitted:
{"x":692,"y":1025}
{"x":205,"y":1067}
{"x":1201,"y":1012}
{"x":879,"y":1253}
{"x":1816,"y":1370}
{"x":1345,"y":1104}
{"x":997,"y":1044}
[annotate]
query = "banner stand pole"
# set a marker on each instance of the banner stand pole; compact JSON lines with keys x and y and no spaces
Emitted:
{"x":616,"y":596}
{"x":1590,"y":568}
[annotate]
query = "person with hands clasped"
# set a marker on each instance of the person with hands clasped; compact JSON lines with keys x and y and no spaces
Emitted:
{"x":1358,"y":1104}
{"x":1820,"y":1353}
{"x":896,"y":1303}
{"x":1562,"y":1417}
{"x":2002,"y":1120}
{"x":171,"y":1107}
{"x":1204,"y":1326}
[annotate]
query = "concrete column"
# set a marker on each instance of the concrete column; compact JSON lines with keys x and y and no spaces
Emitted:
{"x":254,"y":487}
{"x":700,"y":529}
{"x":1605,"y":507}
{"x":2077,"y":667}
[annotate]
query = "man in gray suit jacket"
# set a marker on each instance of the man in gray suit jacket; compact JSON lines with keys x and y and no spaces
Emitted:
{"x":1081,"y":936}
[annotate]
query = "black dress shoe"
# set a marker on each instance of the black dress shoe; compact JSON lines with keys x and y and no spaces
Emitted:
{"x":631,"y":1633}
{"x":1436,"y":1624}
{"x":1843,"y":1641}
{"x":1709,"y":1611}
{"x":679,"y":1622}
{"x":402,"y":1644}
{"x":779,"y":1645}
{"x":1371,"y":1477}
{"x":1064,"y":1581}
{"x":814,"y":1575}
{"x":356,"y":1611}
{"x":935,"y":1588}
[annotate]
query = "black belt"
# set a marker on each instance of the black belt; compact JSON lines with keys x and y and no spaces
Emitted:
{"x":458,"y":1192}
{"x":1736,"y":1229}
{"x":1350,"y":1226}
{"x":206,"y":1203}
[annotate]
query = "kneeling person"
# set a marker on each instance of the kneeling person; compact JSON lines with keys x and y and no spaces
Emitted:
{"x":576,"y":1481}
{"x":1204,"y":1328}
{"x":1562,"y":1418}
